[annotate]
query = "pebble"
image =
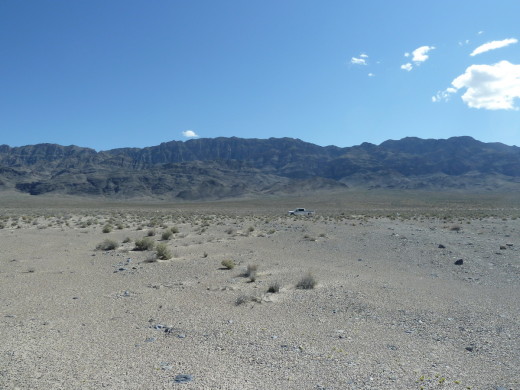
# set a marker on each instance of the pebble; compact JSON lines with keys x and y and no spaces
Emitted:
{"x":166,"y":366}
{"x":181,"y":336}
{"x":441,"y":246}
{"x":183,"y":378}
{"x":459,"y":262}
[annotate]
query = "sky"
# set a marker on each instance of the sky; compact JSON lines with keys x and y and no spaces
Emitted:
{"x":106,"y":74}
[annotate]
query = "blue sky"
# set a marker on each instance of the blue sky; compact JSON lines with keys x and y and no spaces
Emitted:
{"x":116,"y":73}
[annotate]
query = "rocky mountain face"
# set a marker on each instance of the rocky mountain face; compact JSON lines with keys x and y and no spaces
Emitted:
{"x":230,"y":167}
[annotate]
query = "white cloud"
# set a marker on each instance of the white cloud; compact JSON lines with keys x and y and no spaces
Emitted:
{"x":371,"y":75}
{"x":443,"y":95}
{"x":363,"y":55}
{"x":420,"y":54}
{"x":493,"y":45}
{"x":358,"y":61}
{"x":492,"y":87}
{"x":189,"y":134}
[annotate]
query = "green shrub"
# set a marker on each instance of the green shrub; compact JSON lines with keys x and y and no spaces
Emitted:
{"x":163,"y":252}
{"x":166,"y":235}
{"x":228,"y":263}
{"x":107,"y":245}
{"x":107,"y":228}
{"x":144,"y":244}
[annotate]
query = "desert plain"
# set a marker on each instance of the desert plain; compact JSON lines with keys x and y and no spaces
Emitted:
{"x":377,"y":290}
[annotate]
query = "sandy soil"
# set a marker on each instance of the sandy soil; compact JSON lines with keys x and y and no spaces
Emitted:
{"x":391,"y":309}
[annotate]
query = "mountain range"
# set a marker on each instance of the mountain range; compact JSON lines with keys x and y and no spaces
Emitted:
{"x":231,"y":167}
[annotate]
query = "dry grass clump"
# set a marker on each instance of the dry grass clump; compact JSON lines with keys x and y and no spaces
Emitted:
{"x":163,"y":252}
{"x":247,"y":298}
{"x":230,"y":231}
{"x":107,"y":245}
{"x":228,"y":264}
{"x":308,"y":282}
{"x":144,"y":244}
{"x":274,"y":287}
{"x":251,"y":272}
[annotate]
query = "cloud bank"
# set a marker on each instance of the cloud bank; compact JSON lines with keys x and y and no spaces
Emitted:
{"x":491,"y":87}
{"x":493,"y":45}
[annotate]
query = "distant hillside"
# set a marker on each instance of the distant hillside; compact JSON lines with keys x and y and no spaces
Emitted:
{"x":230,"y":167}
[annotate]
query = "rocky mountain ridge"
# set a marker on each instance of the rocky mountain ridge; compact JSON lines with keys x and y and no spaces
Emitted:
{"x":229,"y":167}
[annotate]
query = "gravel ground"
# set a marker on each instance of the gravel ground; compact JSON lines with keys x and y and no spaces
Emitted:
{"x":391,"y":309}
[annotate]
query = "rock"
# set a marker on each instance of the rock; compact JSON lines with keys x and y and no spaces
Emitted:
{"x":503,"y":247}
{"x":181,"y":336}
{"x":150,"y":340}
{"x":183,"y":378}
{"x":441,"y":246}
{"x":459,"y":262}
{"x":469,"y":349}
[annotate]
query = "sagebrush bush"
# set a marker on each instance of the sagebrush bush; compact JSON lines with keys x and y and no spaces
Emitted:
{"x":107,"y":245}
{"x":144,"y":244}
{"x":163,"y":252}
{"x":166,"y":235}
{"x":107,"y":228}
{"x":228,"y":263}
{"x":308,"y":282}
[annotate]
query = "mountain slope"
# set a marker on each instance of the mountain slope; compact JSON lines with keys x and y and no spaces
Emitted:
{"x":229,"y":167}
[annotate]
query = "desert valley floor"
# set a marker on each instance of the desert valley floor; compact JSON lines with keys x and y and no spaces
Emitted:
{"x":418,"y":297}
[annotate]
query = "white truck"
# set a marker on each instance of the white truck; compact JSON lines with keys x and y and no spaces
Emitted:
{"x":301,"y":211}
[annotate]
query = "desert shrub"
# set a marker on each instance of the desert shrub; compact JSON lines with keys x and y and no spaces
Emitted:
{"x":107,"y":228}
{"x":456,"y":228}
{"x":274,"y":287}
{"x":230,"y":230}
{"x":126,"y":240}
{"x":144,"y":244}
{"x":2,"y":226}
{"x":107,"y":245}
{"x":251,"y":272}
{"x":308,"y":282}
{"x":250,"y":229}
{"x":151,"y":233}
{"x":163,"y":252}
{"x":205,"y":254}
{"x":166,"y":235}
{"x":120,"y":226}
{"x":242,"y":299}
{"x":228,"y":263}
{"x":174,"y":229}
